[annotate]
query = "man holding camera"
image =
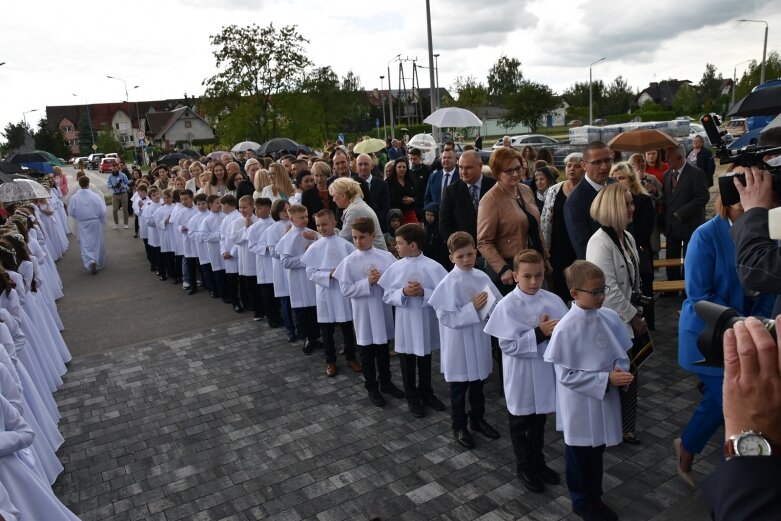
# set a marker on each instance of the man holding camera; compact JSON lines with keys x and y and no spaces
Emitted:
{"x":118,"y":184}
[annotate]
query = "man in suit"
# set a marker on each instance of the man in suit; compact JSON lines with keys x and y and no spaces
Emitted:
{"x":420,"y":172}
{"x":458,"y":210}
{"x":685,"y":197}
{"x":379,"y":195}
{"x":441,"y":179}
{"x":597,"y":161}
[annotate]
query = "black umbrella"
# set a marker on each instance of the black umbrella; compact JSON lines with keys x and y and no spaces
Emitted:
{"x":6,"y":167}
{"x":192,"y":153}
{"x":172,"y":159}
{"x":761,"y":102}
{"x":31,"y":157}
{"x":278,"y":144}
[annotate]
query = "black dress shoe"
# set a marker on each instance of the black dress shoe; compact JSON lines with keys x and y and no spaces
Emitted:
{"x":376,"y":398}
{"x":213,"y":295}
{"x":547,"y":474}
{"x":433,"y":402}
{"x":486,"y":430}
{"x":238,"y":309}
{"x":632,"y":440}
{"x":606,"y":512}
{"x":162,"y":277}
{"x":392,"y":390}
{"x":308,"y":348}
{"x":464,"y":438}
{"x":193,"y":290}
{"x":416,"y":408}
{"x":531,"y":481}
{"x":273,"y":325}
{"x":589,"y":513}
{"x":291,"y":337}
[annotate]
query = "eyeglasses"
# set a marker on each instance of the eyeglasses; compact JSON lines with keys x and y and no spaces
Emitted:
{"x":598,"y":162}
{"x":599,"y":292}
{"x":513,"y":171}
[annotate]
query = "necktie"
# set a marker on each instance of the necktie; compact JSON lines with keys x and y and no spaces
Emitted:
{"x":676,"y":175}
{"x":447,"y":182}
{"x":475,"y":195}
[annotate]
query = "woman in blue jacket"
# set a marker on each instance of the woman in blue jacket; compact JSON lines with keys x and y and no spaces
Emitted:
{"x":710,"y":275}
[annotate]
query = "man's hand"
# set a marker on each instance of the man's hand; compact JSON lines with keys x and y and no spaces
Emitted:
{"x":758,"y":192}
{"x":639,"y":326}
{"x":620,"y":378}
{"x":752,"y":380}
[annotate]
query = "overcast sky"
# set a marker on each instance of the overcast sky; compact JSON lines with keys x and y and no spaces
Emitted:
{"x":53,"y":49}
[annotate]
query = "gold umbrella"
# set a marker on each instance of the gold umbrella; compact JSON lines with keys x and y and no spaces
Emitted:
{"x":642,"y":140}
{"x":369,"y":146}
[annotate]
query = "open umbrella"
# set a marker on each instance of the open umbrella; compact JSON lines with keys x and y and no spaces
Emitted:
{"x":453,"y":117}
{"x":278,"y":144}
{"x":22,"y":190}
{"x":244,"y":146}
{"x":172,"y":159}
{"x":216,"y":154}
{"x":642,"y":140}
{"x":192,"y":153}
{"x":369,"y":146}
{"x":764,"y":101}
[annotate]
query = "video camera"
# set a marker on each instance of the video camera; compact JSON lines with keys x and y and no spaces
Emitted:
{"x":747,"y":156}
{"x":718,"y":319}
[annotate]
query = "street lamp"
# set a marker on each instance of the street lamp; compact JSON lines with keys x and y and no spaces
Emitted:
{"x":127,"y":100}
{"x":24,"y":115}
{"x":382,"y":102}
{"x":764,"y":49}
{"x":436,"y":74}
{"x":735,"y":79}
{"x":89,"y":120}
{"x":591,"y":94}
{"x":390,"y":95}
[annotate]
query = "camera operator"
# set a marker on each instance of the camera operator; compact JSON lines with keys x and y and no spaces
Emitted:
{"x":746,"y":485}
{"x":758,"y":255}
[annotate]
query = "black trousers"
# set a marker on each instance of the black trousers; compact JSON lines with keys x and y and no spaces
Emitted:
{"x":458,"y":391}
{"x":584,"y":474}
{"x":192,"y":269}
{"x":208,"y":278}
{"x":157,"y":261}
{"x":231,"y":295}
{"x":270,"y":304}
{"x":167,"y":264}
{"x":676,"y":249}
{"x":219,"y":282}
{"x":178,"y":266}
{"x":376,"y":363}
{"x":149,"y":254}
{"x":251,"y":294}
{"x":306,"y":322}
{"x":527,"y":434}
{"x":413,"y":366}
{"x":328,"y":329}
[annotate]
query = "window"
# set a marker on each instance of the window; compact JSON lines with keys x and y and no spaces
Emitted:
{"x":188,"y":123}
{"x":117,"y":125}
{"x":66,"y":128}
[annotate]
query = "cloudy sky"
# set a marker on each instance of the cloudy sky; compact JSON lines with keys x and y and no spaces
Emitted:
{"x":53,"y":49}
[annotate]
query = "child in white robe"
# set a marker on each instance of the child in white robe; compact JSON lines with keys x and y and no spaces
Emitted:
{"x":461,"y":301}
{"x":185,"y":249}
{"x":201,"y":253}
{"x":408,"y":285}
{"x":588,"y":349}
{"x":267,"y":246}
{"x":140,"y":206}
{"x":303,"y":299}
{"x":165,"y":226}
{"x":358,"y":275}
{"x":209,"y":232}
{"x":523,"y":322}
{"x":230,"y":261}
{"x":246,"y":259}
{"x":264,"y":266}
{"x":153,"y":238}
{"x":321,"y":259}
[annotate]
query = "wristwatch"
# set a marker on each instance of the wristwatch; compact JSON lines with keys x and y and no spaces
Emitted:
{"x":749,"y":443}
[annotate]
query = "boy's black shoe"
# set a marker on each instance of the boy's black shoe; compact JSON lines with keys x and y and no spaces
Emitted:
{"x":532,"y":481}
{"x":273,"y":325}
{"x":416,"y":408}
{"x":308,"y":348}
{"x":162,"y":277}
{"x":238,"y":309}
{"x":605,"y":510}
{"x":257,"y":317}
{"x":547,"y":474}
{"x":464,"y":438}
{"x":193,"y":290}
{"x":291,"y":337}
{"x":589,"y":513}
{"x":486,"y":430}
{"x":316,"y":344}
{"x":376,"y":398}
{"x":392,"y":390}
{"x":433,"y":402}
{"x":213,"y":295}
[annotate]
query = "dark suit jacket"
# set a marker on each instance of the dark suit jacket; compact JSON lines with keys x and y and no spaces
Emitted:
{"x":706,"y":163}
{"x":742,"y":488}
{"x":689,"y":200}
{"x":434,"y":186}
{"x":379,"y":200}
{"x":577,"y":217}
{"x":456,"y":212}
{"x":311,"y":199}
{"x":758,"y":256}
{"x":421,"y":174}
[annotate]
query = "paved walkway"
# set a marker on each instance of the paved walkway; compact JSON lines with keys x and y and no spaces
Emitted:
{"x":223,"y":419}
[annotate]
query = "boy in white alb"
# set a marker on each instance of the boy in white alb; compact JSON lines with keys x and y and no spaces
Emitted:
{"x":408,"y":284}
{"x":588,"y":350}
{"x":523,"y":322}
{"x":165,"y":226}
{"x":227,"y":249}
{"x":264,"y":266}
{"x":140,"y":206}
{"x":267,"y":246}
{"x":321,"y":259}
{"x":209,"y":233}
{"x":201,"y":253}
{"x":188,"y":259}
{"x":154,"y":233}
{"x":303,"y":299}
{"x":247,"y":270}
{"x":461,"y":301}
{"x":373,"y":319}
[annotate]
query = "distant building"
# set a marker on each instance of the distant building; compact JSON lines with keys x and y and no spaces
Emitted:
{"x":168,"y":128}
{"x":662,"y":92}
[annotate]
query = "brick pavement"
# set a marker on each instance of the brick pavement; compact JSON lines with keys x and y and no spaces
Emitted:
{"x":232,"y":422}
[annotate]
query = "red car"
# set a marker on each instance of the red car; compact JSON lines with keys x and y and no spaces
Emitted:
{"x":106,"y":163}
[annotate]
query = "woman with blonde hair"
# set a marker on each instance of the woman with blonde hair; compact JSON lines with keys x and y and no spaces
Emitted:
{"x":261,"y":181}
{"x":613,"y":249}
{"x":196,"y":169}
{"x":280,"y":186}
{"x":60,"y":181}
{"x":348,"y":195}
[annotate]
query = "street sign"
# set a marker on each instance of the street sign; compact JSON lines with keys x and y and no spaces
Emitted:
{"x":377,"y":122}
{"x":141,"y":142}
{"x":140,"y":135}
{"x":94,"y":147}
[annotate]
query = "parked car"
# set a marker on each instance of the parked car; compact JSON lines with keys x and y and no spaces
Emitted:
{"x":736,"y":127}
{"x":114,"y":155}
{"x":535,"y":140}
{"x":459,"y":148}
{"x":83,"y":160}
{"x":106,"y":163}
{"x":94,"y":161}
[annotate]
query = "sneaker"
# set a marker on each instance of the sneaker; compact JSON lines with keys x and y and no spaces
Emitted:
{"x":185,"y":285}
{"x":376,"y":398}
{"x":126,"y":226}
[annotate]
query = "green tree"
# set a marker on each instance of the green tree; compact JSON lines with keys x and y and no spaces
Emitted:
{"x":750,"y":78}
{"x":85,"y":138}
{"x":529,"y":105}
{"x":323,"y":87}
{"x":49,"y":141}
{"x":470,"y":92}
{"x":685,"y":101}
{"x":577,"y":97}
{"x":504,"y":79}
{"x":14,"y":134}
{"x":107,"y":143}
{"x":709,"y":90}
{"x":257,"y":65}
{"x":618,"y":97}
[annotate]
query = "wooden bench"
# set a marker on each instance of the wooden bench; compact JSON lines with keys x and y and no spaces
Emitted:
{"x":668,"y":263}
{"x":669,"y":286}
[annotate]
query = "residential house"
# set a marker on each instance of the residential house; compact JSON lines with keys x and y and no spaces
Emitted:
{"x":662,"y":92}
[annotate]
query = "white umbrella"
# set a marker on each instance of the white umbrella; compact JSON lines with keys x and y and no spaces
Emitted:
{"x":453,"y":117}
{"x":426,"y":144}
{"x":22,"y":190}
{"x":244,"y":146}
